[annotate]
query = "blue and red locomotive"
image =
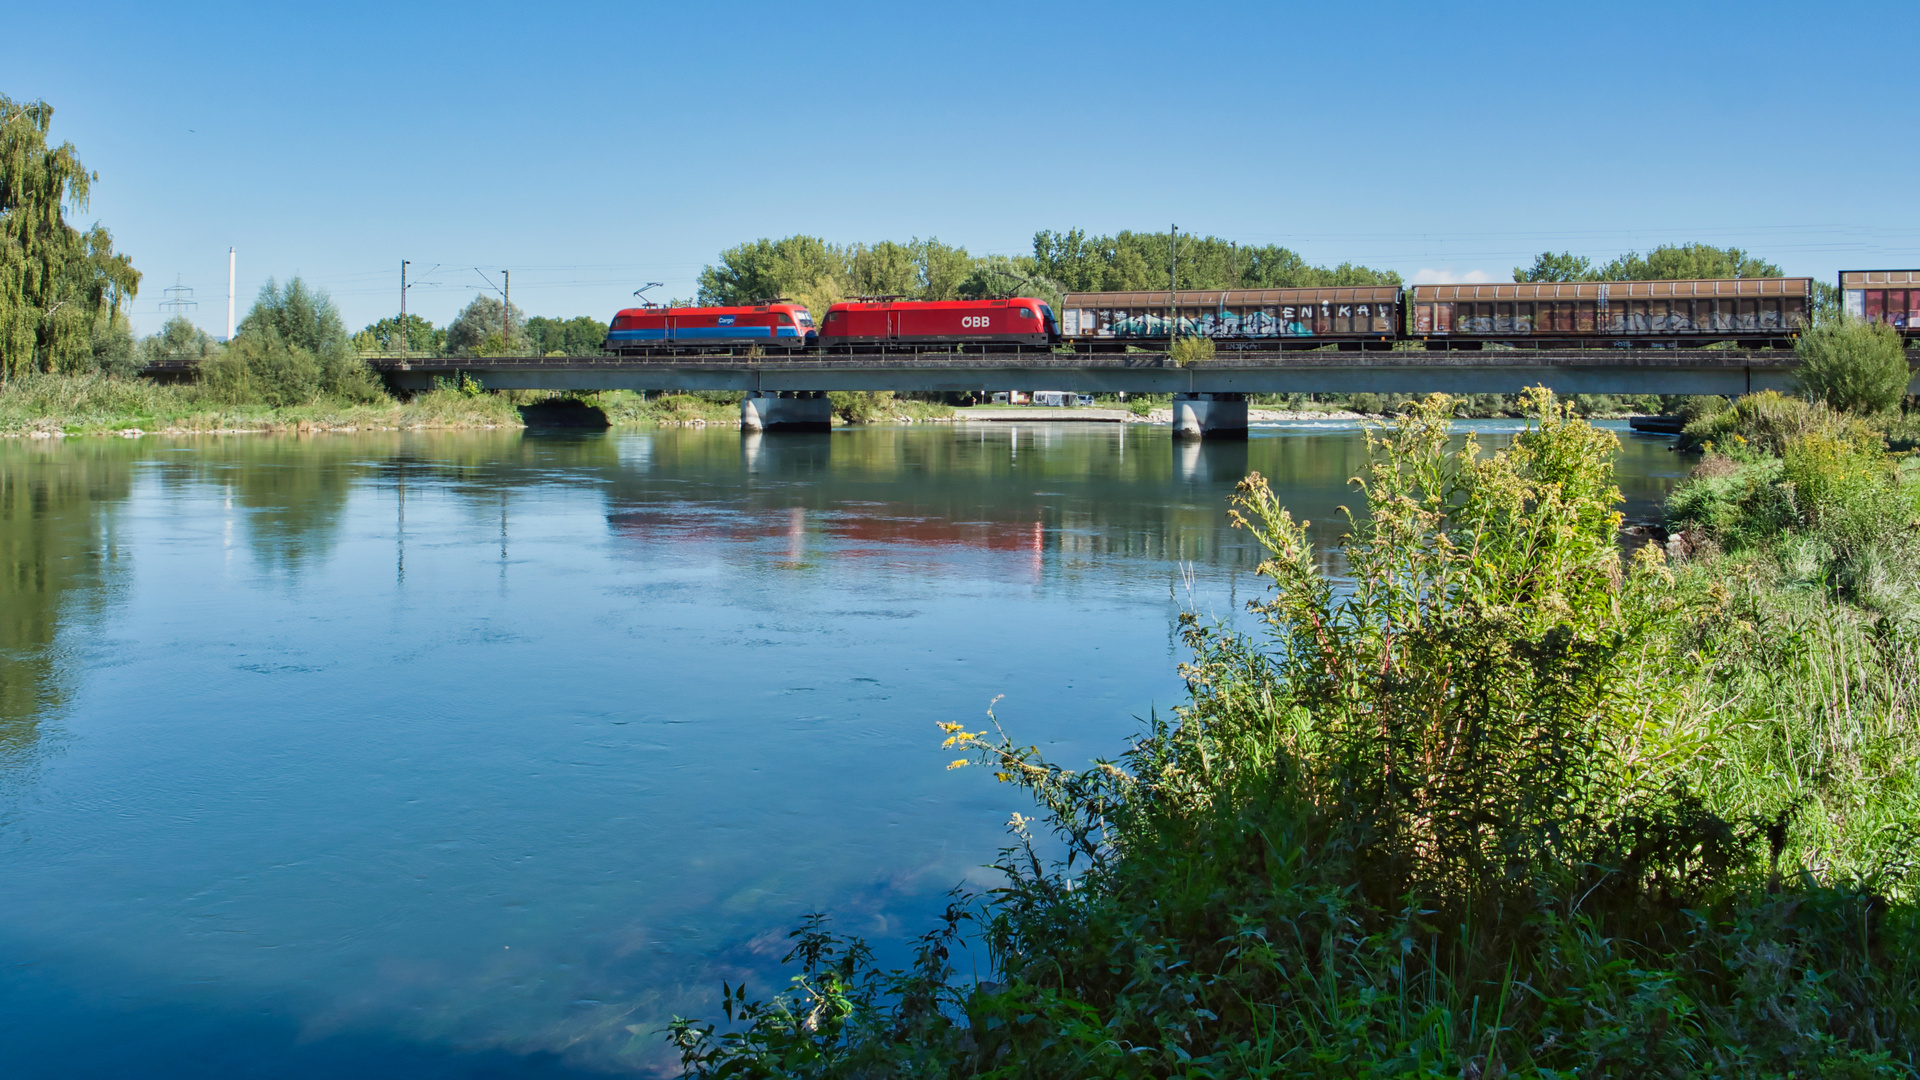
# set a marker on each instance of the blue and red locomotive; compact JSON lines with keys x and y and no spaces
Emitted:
{"x":780,"y":324}
{"x":860,"y":325}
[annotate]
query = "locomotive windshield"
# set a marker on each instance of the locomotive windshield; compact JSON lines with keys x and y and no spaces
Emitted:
{"x":803,"y":316}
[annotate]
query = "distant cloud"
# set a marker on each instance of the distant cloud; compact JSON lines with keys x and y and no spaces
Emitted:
{"x":1427,"y":275}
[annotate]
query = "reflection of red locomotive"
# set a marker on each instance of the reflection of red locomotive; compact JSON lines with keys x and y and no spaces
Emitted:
{"x":862,"y":325}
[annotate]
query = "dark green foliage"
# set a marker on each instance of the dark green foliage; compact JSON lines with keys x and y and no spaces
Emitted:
{"x":1547,"y":266}
{"x":481,"y":330}
{"x":1854,"y":365}
{"x":1134,"y":261}
{"x":61,"y":290}
{"x":860,"y":406}
{"x":291,"y":349}
{"x":1668,"y":262}
{"x":818,"y":274}
{"x":579,"y":336}
{"x":422,"y":337}
{"x":1437,"y":823}
{"x":765,"y":269}
{"x":179,"y":341}
{"x":1811,"y":490}
{"x":1677,"y":262}
{"x":1766,"y":422}
{"x":997,"y":277}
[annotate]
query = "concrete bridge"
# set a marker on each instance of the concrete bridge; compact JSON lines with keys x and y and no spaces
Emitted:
{"x":1210,"y":397}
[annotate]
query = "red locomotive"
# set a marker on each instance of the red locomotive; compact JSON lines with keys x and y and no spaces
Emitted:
{"x":877,"y":323}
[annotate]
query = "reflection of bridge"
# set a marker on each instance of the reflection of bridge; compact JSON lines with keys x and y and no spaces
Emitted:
{"x":1210,"y":396}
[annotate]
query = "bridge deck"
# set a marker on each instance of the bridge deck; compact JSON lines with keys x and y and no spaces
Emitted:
{"x":1567,"y":371}
{"x":1587,"y":371}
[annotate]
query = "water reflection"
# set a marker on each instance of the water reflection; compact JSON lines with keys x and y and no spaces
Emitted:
{"x":58,"y":556}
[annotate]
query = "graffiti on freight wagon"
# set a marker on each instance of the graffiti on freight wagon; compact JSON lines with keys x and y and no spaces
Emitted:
{"x":1304,"y":320}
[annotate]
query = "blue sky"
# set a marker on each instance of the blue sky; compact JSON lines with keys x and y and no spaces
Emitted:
{"x":590,"y":148}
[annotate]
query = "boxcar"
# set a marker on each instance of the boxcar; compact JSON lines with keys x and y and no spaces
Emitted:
{"x":1888,"y":296}
{"x":1299,"y":317}
{"x":1757,"y":310}
{"x":879,"y":323}
{"x":643,"y":329}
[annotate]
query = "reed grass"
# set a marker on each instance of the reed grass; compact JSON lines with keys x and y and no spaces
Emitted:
{"x":102,"y":404}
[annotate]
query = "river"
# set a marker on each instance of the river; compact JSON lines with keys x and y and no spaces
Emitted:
{"x":482,"y":754}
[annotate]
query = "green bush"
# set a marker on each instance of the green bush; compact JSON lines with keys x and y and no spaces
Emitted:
{"x":1700,"y":407}
{"x":1767,"y":421}
{"x":291,"y":349}
{"x":861,"y":406}
{"x":1853,"y":365}
{"x":1188,"y":351}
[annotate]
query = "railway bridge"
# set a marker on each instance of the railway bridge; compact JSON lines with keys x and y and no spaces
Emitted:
{"x":1209,"y":397}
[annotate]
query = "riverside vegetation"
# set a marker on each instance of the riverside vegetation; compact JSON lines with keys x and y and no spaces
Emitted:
{"x":1512,"y":802}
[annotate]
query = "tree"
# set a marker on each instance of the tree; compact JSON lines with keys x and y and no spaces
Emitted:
{"x":817,"y":274}
{"x":1677,"y":262}
{"x":582,"y":335}
{"x":480,"y":330}
{"x":291,"y":349}
{"x":1141,"y":261}
{"x":422,"y":337}
{"x":768,"y":268}
{"x":998,"y":277}
{"x":1565,"y":266}
{"x":942,"y":268}
{"x":61,"y":290}
{"x":1854,"y":365}
{"x":179,"y":341}
{"x":884,"y":269}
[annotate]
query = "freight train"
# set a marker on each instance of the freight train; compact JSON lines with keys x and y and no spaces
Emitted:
{"x":1749,"y":312}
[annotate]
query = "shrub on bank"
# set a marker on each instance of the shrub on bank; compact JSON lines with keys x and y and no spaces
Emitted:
{"x":291,"y":349}
{"x":1853,"y":365}
{"x":1766,"y":422}
{"x":1452,"y":819}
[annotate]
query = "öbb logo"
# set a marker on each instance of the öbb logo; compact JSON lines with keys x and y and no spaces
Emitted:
{"x":973,"y":322}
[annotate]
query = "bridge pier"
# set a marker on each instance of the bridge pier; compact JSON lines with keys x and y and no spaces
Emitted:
{"x":786,"y":410}
{"x":1209,"y":416}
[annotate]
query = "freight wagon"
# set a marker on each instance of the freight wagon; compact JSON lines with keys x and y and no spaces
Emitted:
{"x":698,"y":329}
{"x":1365,"y":316}
{"x":1759,"y":311}
{"x":862,"y":325}
{"x":1888,"y":296}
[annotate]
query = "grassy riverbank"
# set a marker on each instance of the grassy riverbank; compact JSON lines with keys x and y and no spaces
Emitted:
{"x":96,"y":404}
{"x":1513,"y":804}
{"x":103,"y":404}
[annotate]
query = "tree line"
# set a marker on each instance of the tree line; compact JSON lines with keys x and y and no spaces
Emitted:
{"x":818,"y":273}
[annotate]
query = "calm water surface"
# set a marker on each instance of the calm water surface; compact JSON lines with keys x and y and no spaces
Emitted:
{"x":482,"y":754}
